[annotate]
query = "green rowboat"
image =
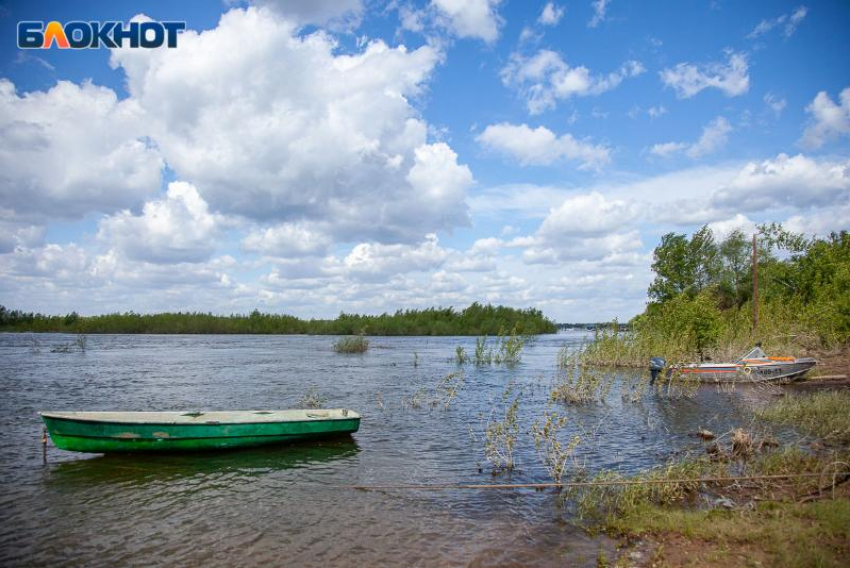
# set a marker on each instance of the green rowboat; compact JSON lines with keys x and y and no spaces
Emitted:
{"x":104,"y":432}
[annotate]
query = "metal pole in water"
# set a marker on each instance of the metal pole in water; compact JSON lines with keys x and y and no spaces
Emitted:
{"x":755,"y":287}
{"x":44,"y":444}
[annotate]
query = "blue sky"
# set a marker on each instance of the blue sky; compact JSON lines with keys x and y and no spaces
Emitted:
{"x":356,"y":155}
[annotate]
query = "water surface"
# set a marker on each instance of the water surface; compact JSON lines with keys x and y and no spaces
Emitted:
{"x":294,"y":504}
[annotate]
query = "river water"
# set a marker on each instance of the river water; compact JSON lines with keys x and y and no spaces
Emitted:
{"x":294,"y":504}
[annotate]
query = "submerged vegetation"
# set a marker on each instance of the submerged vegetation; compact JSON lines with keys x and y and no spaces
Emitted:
{"x":354,"y":344}
{"x":506,"y":350}
{"x":477,"y":319}
{"x":702,"y":299}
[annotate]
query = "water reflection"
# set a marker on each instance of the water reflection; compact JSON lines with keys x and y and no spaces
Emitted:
{"x":137,"y":470}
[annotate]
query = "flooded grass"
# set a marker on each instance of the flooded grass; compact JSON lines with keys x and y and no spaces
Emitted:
{"x":354,"y":344}
{"x":502,"y":431}
{"x":823,"y":414}
{"x":312,"y":399}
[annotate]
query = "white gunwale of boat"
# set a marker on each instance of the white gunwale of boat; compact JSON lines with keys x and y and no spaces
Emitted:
{"x":205,"y":417}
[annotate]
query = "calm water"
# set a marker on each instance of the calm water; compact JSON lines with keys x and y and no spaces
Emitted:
{"x":288,"y":505}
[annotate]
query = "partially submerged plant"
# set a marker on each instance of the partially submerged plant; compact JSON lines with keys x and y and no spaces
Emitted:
{"x":554,"y":454}
{"x":351,"y":344}
{"x":79,"y":345}
{"x":460,"y":355}
{"x":312,"y":399}
{"x":483,"y":356}
{"x":500,"y":435}
{"x":581,"y":385}
{"x":448,"y":388}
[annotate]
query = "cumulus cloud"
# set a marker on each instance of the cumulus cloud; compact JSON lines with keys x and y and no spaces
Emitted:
{"x":287,"y":240}
{"x":787,"y":22}
{"x":786,"y":181}
{"x":17,"y":234}
{"x":586,"y":226}
{"x":370,"y":261}
{"x":600,"y":7}
{"x":827,"y":120}
{"x":821,"y":222}
{"x":178,"y":228}
{"x":72,"y":150}
{"x":726,"y":227}
{"x":541,"y":146}
{"x":714,"y":136}
{"x":469,"y":18}
{"x":551,"y":14}
{"x":545,"y":78}
{"x":731,"y":78}
{"x":284,"y":130}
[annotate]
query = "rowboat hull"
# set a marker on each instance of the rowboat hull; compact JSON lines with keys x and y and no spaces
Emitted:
{"x":779,"y":371}
{"x":108,"y":432}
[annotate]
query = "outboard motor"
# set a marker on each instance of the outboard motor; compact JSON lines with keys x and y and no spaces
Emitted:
{"x":656,"y":365}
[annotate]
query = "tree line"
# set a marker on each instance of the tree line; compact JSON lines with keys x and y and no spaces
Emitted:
{"x":477,"y":319}
{"x":703,"y":288}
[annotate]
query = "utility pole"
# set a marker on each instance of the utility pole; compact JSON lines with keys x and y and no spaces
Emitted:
{"x":755,"y":287}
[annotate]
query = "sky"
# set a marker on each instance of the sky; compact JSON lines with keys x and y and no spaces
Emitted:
{"x":327,"y":156}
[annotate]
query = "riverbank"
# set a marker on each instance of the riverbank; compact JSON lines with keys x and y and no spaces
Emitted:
{"x":766,"y":520}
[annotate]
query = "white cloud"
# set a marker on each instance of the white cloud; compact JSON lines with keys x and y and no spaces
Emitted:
{"x":665,"y":149}
{"x":287,"y":240}
{"x":821,"y":222}
{"x":545,"y":78}
{"x":790,"y":23}
{"x":282,"y":129}
{"x":583,"y":227}
{"x":688,"y":79}
{"x":776,"y":104}
{"x":551,"y":14}
{"x":587,"y":215}
{"x":600,"y":7}
{"x":656,"y":112}
{"x":337,"y":13}
{"x":739,"y":222}
{"x":176,"y":229}
{"x":470,"y":18}
{"x":371,"y":261}
{"x":16,"y":234}
{"x":714,"y":136}
{"x":72,"y":150}
{"x":828,"y":121}
{"x":786,"y":181}
{"x":541,"y":146}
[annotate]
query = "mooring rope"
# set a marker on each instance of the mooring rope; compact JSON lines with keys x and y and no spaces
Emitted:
{"x":567,"y":484}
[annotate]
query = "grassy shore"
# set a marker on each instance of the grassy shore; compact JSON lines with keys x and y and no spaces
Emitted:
{"x":802,"y":521}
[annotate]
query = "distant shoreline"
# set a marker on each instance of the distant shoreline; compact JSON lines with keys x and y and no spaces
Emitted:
{"x":475,"y":320}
